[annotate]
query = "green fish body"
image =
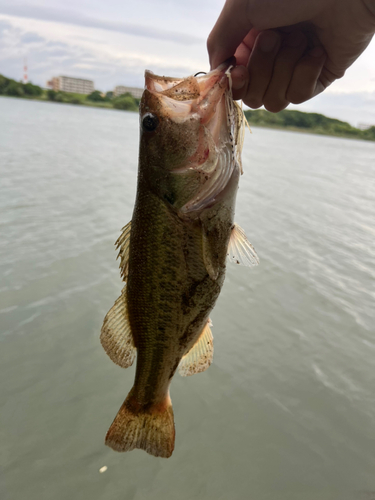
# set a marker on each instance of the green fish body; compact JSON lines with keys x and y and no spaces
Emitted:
{"x":174,"y":250}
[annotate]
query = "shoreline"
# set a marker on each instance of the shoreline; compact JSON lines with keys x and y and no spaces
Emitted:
{"x":309,"y":131}
{"x":90,"y":104}
{"x":357,"y":135}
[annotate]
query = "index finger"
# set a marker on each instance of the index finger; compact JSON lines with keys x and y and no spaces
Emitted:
{"x":230,"y":29}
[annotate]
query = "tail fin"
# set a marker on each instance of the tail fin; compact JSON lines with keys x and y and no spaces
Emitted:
{"x":150,"y":429}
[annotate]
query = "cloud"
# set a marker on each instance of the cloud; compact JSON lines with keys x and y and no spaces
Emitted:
{"x":31,"y":38}
{"x":55,"y":44}
{"x":4,"y":25}
{"x":68,"y":17}
{"x":87,"y":57}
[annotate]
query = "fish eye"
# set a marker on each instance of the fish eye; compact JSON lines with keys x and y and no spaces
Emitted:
{"x":150,"y":122}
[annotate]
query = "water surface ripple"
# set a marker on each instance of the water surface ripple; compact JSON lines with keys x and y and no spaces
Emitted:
{"x":287,"y":410}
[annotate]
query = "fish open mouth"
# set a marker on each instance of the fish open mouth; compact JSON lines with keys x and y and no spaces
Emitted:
{"x":186,"y":89}
{"x":194,"y":94}
{"x":206,"y":98}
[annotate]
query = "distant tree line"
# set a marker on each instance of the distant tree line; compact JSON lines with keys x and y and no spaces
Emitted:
{"x":97,"y":98}
{"x":65,"y":97}
{"x":313,"y":122}
{"x":124,"y":101}
{"x":18,"y":89}
{"x":13,"y":88}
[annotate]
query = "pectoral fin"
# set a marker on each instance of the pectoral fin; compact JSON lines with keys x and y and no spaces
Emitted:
{"x":123,"y":244}
{"x":210,"y":255}
{"x":116,"y":336}
{"x":240,"y":250}
{"x":200,"y":356}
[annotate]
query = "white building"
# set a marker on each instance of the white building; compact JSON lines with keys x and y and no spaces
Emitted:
{"x":133,"y":91}
{"x":70,"y":84}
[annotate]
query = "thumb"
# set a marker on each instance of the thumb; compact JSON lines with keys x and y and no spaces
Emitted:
{"x":230,"y":29}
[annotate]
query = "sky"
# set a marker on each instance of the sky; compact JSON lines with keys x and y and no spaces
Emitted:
{"x":113,"y":42}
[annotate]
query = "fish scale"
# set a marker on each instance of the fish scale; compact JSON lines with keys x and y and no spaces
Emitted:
{"x":151,"y":291}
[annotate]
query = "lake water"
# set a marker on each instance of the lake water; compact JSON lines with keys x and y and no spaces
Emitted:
{"x":286,"y":411}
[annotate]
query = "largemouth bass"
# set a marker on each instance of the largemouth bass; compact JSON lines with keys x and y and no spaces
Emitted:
{"x":174,"y":250}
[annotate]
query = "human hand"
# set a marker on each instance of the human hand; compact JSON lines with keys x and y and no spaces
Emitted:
{"x":288,"y":51}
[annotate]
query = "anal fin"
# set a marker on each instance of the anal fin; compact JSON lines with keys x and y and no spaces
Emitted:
{"x":116,"y":336}
{"x":240,"y":250}
{"x":200,"y":356}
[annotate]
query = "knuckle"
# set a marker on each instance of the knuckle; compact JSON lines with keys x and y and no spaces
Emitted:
{"x":274,"y":105}
{"x":298,"y":96}
{"x":253,"y":103}
{"x":336,"y":74}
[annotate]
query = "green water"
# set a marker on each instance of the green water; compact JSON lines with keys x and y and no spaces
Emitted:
{"x":286,"y":411}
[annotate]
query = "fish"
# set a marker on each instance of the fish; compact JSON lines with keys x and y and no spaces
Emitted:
{"x":173,"y":252}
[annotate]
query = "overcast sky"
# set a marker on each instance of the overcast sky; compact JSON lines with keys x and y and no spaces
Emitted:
{"x":113,"y":42}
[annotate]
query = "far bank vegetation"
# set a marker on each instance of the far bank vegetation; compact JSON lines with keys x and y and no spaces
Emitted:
{"x":307,"y":122}
{"x":287,"y":119}
{"x":11,"y":88}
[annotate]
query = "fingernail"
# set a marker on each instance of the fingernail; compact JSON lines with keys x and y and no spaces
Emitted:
{"x":268,"y":41}
{"x":317,"y":51}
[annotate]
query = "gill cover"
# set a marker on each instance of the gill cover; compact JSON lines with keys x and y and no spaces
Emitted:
{"x":212,"y":124}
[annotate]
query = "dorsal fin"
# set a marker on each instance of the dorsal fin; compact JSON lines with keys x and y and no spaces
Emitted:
{"x":240,"y":250}
{"x":200,"y":356}
{"x":116,"y":336}
{"x":122,"y":243}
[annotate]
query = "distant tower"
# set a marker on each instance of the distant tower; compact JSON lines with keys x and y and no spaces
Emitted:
{"x":25,"y":70}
